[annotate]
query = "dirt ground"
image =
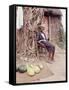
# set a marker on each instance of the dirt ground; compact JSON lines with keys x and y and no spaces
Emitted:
{"x":56,"y":69}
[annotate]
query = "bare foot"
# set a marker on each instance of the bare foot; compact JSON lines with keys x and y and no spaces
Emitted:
{"x":52,"y":59}
{"x":49,"y":61}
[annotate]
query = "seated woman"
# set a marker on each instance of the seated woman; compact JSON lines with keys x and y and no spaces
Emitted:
{"x":43,"y":42}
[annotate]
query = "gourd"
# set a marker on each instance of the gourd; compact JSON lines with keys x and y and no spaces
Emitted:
{"x":40,"y":66}
{"x":36,"y":69}
{"x":22,"y":68}
{"x":17,"y":67}
{"x":30,"y":71}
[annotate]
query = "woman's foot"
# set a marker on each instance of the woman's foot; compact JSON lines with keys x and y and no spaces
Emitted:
{"x":49,"y":61}
{"x":52,"y":59}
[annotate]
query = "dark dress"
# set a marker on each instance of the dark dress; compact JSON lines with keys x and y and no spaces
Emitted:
{"x":46,"y":43}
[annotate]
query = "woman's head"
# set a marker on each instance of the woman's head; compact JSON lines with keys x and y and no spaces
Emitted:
{"x":40,"y":28}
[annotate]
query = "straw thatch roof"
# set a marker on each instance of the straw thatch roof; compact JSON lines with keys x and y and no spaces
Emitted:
{"x":53,"y":12}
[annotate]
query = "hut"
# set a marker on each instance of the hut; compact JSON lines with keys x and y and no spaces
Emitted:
{"x":50,"y":18}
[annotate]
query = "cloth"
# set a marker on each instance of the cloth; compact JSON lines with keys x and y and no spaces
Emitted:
{"x":42,"y":40}
{"x":19,"y":18}
{"x":48,"y":46}
{"x":43,"y":36}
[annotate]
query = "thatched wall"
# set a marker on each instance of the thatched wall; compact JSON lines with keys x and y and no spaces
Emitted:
{"x":26,"y":37}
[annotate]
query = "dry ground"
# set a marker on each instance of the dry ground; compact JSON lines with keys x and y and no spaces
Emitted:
{"x":57,"y":69}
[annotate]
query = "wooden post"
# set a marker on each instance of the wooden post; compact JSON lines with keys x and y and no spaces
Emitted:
{"x":49,"y":28}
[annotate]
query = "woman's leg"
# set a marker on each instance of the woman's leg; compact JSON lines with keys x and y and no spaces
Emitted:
{"x":49,"y":57}
{"x":53,"y":52}
{"x":50,"y":48}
